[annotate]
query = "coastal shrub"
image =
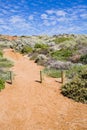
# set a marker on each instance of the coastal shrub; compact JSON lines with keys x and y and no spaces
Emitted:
{"x":77,"y":88}
{"x":4,"y":74}
{"x":83,"y":59}
{"x":2,"y":84}
{"x":41,"y":46}
{"x":62,"y":54}
{"x":42,"y":49}
{"x":75,"y":70}
{"x":75,"y":58}
{"x":5,"y":63}
{"x":33,"y":56}
{"x":61,"y":39}
{"x":1,"y":53}
{"x":26,"y":49}
{"x":41,"y":59}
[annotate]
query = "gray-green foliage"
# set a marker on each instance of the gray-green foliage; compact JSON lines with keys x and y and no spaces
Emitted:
{"x":5,"y":64}
{"x":74,"y":70}
{"x":52,"y":72}
{"x":77,"y":88}
{"x":5,"y":74}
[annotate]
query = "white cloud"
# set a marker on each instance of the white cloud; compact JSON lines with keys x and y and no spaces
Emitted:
{"x":6,"y":27}
{"x":61,"y":19}
{"x":1,"y":21}
{"x":44,"y":16}
{"x":18,"y":22}
{"x":60,"y":13}
{"x":56,"y":12}
{"x":50,"y":11}
{"x":52,"y":17}
{"x":46,"y":23}
{"x":31,"y":17}
{"x":84,"y":16}
{"x":49,"y":23}
{"x":16,"y":19}
{"x":53,"y":23}
{"x":13,"y":10}
{"x":4,"y":11}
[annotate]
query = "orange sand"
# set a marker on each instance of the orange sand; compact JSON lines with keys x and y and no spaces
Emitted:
{"x":30,"y":105}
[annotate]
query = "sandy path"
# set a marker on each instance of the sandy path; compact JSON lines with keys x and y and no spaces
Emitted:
{"x":29,"y":105}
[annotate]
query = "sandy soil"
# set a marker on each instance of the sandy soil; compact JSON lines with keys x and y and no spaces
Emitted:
{"x":10,"y":38}
{"x":30,"y":105}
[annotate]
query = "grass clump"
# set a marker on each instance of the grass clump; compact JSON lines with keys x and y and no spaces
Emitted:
{"x":5,"y":63}
{"x":26,"y":49}
{"x":61,"y":39}
{"x":40,"y":46}
{"x":52,"y":72}
{"x":62,"y":54}
{"x":2,"y":84}
{"x":77,"y":88}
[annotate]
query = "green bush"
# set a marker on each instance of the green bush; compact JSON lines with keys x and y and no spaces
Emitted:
{"x":62,"y":54}
{"x":83,"y":59}
{"x":41,"y":46}
{"x":75,"y":70}
{"x":5,"y":63}
{"x":61,"y":39}
{"x":77,"y":88}
{"x":1,"y":53}
{"x":52,"y":72}
{"x":26,"y":49}
{"x":2,"y":84}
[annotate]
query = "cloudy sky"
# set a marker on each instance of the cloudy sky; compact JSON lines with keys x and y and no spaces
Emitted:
{"x":37,"y":17}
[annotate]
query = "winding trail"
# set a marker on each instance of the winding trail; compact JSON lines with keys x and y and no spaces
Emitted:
{"x":29,"y":105}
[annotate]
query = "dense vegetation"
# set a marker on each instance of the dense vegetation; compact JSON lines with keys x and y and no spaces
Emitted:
{"x":77,"y":88}
{"x":61,"y":39}
{"x":66,"y":52}
{"x":5,"y":64}
{"x":62,"y":54}
{"x":26,"y":49}
{"x":83,"y":59}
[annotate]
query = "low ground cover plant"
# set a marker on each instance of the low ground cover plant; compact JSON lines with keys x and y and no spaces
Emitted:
{"x":52,"y":72}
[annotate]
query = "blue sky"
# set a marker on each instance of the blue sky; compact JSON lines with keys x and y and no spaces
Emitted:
{"x":39,"y":17}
